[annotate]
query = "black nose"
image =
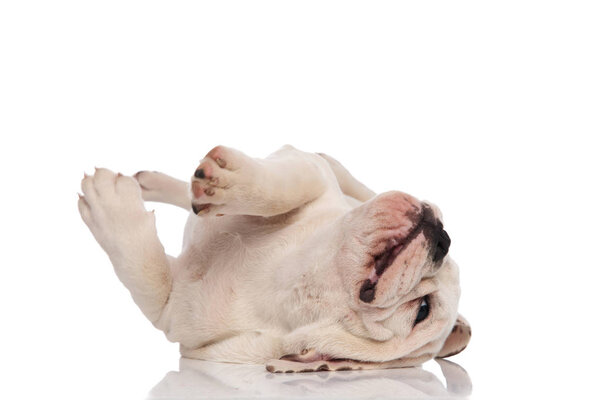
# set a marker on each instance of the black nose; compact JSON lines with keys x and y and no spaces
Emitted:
{"x":440,"y":243}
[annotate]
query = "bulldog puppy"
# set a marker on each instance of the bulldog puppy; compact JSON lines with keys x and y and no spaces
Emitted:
{"x":287,"y":261}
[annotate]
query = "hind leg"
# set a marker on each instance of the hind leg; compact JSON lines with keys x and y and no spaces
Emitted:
{"x":349,"y":185}
{"x":163,"y":188}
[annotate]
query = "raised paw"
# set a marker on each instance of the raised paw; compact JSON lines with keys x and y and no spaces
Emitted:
{"x":228,"y":182}
{"x":112,"y":208}
{"x":219,"y":182}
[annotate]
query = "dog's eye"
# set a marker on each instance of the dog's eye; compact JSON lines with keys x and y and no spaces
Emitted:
{"x":423,"y":310}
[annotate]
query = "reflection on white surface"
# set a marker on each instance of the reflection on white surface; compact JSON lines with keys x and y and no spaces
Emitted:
{"x":209,"y":380}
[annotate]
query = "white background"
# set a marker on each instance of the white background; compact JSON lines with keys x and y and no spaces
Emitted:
{"x":490,"y":110}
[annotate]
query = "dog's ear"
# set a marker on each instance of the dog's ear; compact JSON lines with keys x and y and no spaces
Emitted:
{"x":458,"y":339}
{"x":312,"y":361}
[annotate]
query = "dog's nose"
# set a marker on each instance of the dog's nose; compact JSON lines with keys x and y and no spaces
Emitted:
{"x":435,"y":233}
{"x":440,"y":243}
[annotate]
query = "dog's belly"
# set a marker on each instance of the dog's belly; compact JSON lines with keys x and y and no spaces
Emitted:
{"x":245,"y":278}
{"x":200,"y":311}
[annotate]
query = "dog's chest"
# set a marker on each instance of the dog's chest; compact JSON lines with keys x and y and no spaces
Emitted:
{"x":240,"y":242}
{"x":230,"y":263}
{"x":241,"y":273}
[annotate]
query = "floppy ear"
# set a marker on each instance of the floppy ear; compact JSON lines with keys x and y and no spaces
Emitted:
{"x":312,"y":361}
{"x":458,"y":339}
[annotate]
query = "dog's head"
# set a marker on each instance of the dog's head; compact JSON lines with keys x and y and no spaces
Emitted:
{"x":401,"y":288}
{"x":401,"y":283}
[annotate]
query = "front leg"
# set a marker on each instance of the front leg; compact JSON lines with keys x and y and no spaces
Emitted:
{"x":228,"y":182}
{"x":113,"y":209}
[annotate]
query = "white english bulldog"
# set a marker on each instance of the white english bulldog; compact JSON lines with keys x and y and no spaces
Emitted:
{"x":287,"y":261}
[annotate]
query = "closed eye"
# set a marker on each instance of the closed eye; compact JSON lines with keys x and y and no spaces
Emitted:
{"x":423,"y":311}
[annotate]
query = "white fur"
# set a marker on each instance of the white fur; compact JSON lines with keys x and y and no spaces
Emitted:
{"x":273,"y":265}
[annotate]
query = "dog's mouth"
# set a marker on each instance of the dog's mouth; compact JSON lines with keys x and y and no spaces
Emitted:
{"x":394,"y":247}
{"x":383,"y":260}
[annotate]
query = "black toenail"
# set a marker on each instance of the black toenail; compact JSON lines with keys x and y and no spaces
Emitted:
{"x":199,"y":173}
{"x":200,"y":208}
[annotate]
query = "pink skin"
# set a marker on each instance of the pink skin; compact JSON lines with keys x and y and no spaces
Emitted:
{"x":216,"y":153}
{"x":396,"y":215}
{"x":396,"y":246}
{"x":200,"y":190}
{"x":307,"y":356}
{"x":197,"y":189}
{"x":390,"y":264}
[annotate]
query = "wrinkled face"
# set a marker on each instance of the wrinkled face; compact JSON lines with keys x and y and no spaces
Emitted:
{"x":401,"y":284}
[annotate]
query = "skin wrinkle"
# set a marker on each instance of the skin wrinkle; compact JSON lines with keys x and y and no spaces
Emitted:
{"x":404,"y":242}
{"x":368,"y":288}
{"x":424,"y":222}
{"x":414,"y":272}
